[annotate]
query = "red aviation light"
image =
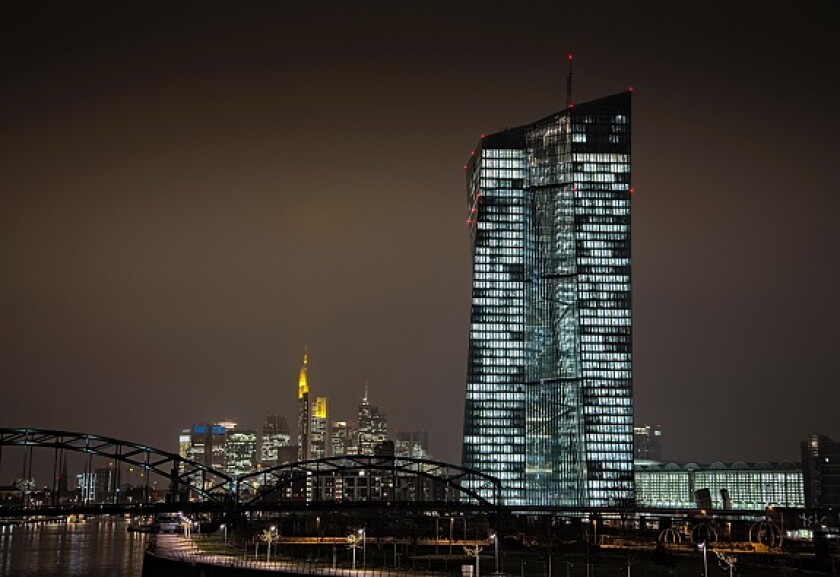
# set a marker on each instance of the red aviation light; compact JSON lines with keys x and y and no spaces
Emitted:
{"x":465,"y":167}
{"x":571,"y":56}
{"x":472,"y":153}
{"x":632,"y":190}
{"x":483,"y":136}
{"x":630,"y":89}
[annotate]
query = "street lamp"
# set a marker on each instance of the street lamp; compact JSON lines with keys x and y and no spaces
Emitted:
{"x":269,"y":536}
{"x":475,"y":551}
{"x":353,"y":540}
{"x":705,"y":563}
{"x":495,"y":538}
{"x":363,"y":533}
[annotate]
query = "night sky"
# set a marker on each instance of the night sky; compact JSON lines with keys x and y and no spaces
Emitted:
{"x":191,"y":192}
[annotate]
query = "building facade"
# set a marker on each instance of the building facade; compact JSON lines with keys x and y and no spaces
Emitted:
{"x":549,"y":405}
{"x":730,"y":486}
{"x":204,"y":444}
{"x":373,"y":426}
{"x":240,"y":452}
{"x":319,"y":438}
{"x":412,"y":444}
{"x":340,"y":433}
{"x":275,"y":434}
{"x":647,"y":442}
{"x":821,"y":470}
{"x":304,"y":410}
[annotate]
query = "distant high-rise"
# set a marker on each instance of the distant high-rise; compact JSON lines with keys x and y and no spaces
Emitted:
{"x":647,"y":443}
{"x":373,"y":426}
{"x":275,"y":434}
{"x":304,"y":411}
{"x":821,"y":471}
{"x":339,"y":438}
{"x":204,"y":444}
{"x":549,"y":404}
{"x":240,"y":452}
{"x":412,"y":444}
{"x":319,"y":431}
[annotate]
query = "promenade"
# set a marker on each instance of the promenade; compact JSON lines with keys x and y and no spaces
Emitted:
{"x":195,"y":561}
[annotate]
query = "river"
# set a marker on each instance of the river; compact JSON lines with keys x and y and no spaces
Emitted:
{"x":99,"y":548}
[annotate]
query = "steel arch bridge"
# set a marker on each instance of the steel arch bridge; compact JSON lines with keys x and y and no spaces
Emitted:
{"x":359,"y":480}
{"x":205,"y":483}
{"x":344,"y":482}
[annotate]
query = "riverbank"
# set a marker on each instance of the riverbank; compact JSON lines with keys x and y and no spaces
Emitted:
{"x":178,"y":556}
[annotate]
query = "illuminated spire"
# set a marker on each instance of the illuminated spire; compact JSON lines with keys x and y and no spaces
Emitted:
{"x":303,"y":385}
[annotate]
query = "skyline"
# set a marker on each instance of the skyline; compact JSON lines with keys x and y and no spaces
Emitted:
{"x":190,"y":195}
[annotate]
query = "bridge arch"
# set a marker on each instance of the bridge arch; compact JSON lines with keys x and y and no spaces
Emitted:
{"x":369,"y":479}
{"x":185,"y":475}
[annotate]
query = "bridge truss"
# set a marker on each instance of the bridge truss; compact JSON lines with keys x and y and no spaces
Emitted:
{"x":187,"y":479}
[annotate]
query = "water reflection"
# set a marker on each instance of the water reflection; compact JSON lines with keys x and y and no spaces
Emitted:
{"x":96,"y":548}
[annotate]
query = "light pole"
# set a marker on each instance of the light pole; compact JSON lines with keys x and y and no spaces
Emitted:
{"x":495,"y":538}
{"x":363,"y":533}
{"x":451,"y":526}
{"x":269,"y":536}
{"x":353,"y":542}
{"x":475,"y":551}
{"x":705,"y":563}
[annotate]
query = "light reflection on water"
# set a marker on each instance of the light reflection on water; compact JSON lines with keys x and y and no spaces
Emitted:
{"x":91,"y":549}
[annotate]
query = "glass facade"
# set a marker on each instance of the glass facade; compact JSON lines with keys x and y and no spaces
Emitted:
{"x":549,"y":386}
{"x":735,"y":486}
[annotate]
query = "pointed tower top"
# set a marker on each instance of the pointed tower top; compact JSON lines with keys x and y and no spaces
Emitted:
{"x":366,"y":391}
{"x":303,"y":384}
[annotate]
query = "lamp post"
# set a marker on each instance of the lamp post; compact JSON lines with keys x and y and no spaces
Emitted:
{"x":353,"y":540}
{"x":269,"y":536}
{"x":475,"y":551}
{"x":705,"y":563}
{"x":495,"y":538}
{"x":363,"y":533}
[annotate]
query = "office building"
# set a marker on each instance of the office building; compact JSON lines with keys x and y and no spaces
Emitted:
{"x":304,"y":410}
{"x":318,"y":429}
{"x":821,"y":471}
{"x":730,"y":486}
{"x":647,"y":443}
{"x":339,"y":438}
{"x":549,"y":404}
{"x":204,"y":444}
{"x":275,"y":434}
{"x":412,"y":444}
{"x":240,"y":452}
{"x":373,"y":426}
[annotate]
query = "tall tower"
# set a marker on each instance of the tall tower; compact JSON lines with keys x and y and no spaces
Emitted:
{"x":549,"y":405}
{"x":304,"y":410}
{"x":319,"y":429}
{"x":275,"y":434}
{"x":373,"y":426}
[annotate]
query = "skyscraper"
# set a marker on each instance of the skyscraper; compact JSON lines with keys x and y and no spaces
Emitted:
{"x":647,"y":443}
{"x":373,"y":426}
{"x":319,"y":429}
{"x":240,"y":452}
{"x":304,"y":410}
{"x":821,"y":471}
{"x":275,"y":434}
{"x":412,"y":444}
{"x":339,"y":438}
{"x":549,"y":407}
